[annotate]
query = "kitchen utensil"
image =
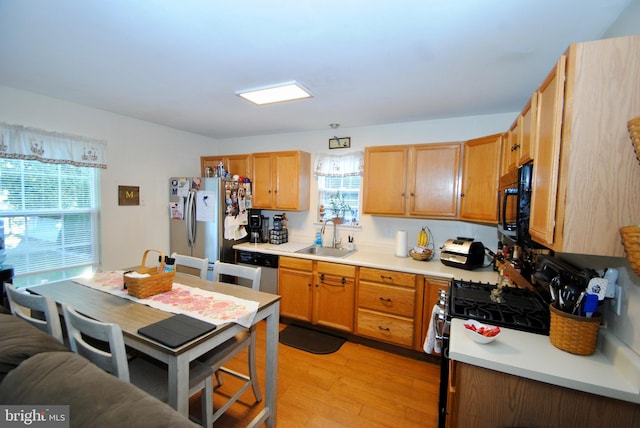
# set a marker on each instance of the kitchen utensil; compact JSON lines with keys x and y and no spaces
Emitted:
{"x":578,"y":302}
{"x":590,"y":304}
{"x":569,"y":295}
{"x":598,"y":286}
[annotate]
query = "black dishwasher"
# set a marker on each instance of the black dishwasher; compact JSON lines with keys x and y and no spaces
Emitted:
{"x":269,"y":265}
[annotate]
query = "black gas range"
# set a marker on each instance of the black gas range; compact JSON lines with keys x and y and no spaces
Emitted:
{"x":522,"y":309}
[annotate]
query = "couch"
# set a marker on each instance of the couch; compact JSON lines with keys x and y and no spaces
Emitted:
{"x":36,"y":369}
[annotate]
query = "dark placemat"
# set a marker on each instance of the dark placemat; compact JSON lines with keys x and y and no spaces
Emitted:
{"x":309,"y":340}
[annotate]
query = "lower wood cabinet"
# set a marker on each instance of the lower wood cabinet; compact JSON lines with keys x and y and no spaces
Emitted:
{"x":480,"y":397}
{"x":317,"y":292}
{"x":379,"y":304}
{"x":389,"y":306}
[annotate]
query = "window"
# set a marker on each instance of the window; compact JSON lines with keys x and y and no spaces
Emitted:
{"x":50,"y":214}
{"x":339,"y":180}
{"x":339,"y":197}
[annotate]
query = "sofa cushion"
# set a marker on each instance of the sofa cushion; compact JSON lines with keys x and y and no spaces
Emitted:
{"x":20,"y":340}
{"x":95,"y":397}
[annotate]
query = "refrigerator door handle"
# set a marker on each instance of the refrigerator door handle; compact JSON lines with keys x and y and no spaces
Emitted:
{"x":190,"y":222}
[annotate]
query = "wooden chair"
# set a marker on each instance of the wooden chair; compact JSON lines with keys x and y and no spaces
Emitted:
{"x":148,"y":375}
{"x":245,"y":340}
{"x":193,"y":264}
{"x":20,"y":301}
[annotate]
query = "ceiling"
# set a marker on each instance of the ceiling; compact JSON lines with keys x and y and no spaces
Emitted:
{"x":367,"y":62}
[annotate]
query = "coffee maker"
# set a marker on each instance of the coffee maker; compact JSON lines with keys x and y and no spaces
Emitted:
{"x":255,"y":226}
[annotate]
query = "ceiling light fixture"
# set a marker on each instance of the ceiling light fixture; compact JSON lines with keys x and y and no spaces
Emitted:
{"x":287,"y":91}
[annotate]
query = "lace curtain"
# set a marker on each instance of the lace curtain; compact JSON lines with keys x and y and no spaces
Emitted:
{"x":339,"y":165}
{"x":19,"y":142}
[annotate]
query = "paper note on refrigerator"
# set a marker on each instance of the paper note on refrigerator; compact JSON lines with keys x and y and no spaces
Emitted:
{"x":177,"y":210}
{"x":205,"y":205}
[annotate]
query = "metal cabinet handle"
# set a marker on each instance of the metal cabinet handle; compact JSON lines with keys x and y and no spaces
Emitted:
{"x":386,"y":277}
{"x":385,"y":299}
{"x":387,"y":329}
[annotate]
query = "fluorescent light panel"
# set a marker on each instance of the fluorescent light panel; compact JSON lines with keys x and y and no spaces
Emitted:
{"x":287,"y":91}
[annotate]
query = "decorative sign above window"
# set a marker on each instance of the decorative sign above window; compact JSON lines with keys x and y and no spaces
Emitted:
{"x":339,"y":143}
{"x":128,"y":195}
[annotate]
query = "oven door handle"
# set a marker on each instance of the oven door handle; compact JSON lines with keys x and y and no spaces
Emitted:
{"x":439,"y":323}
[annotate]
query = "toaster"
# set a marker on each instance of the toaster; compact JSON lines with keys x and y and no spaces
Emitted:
{"x":464,"y":253}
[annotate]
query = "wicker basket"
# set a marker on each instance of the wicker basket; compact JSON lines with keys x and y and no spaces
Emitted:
{"x":631,"y":241}
{"x":634,"y":133}
{"x":426,"y":256}
{"x":575,"y":334}
{"x":158,"y":282}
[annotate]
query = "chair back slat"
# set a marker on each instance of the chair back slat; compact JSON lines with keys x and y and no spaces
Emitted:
{"x":194,"y":263}
{"x":237,"y":271}
{"x":20,"y":301}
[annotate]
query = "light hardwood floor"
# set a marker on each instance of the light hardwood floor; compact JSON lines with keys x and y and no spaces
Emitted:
{"x":357,"y":386}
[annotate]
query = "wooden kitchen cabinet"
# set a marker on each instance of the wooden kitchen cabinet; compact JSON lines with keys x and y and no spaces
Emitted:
{"x":480,"y":175}
{"x":481,"y":397}
{"x":586,"y":177}
{"x":281,"y":180}
{"x":234,"y":164}
{"x":414,"y":181}
{"x":510,"y":150}
{"x":519,"y":142}
{"x":390,"y":306}
{"x":334,"y":295}
{"x":295,"y":286}
{"x":385,"y":180}
{"x":317,"y":292}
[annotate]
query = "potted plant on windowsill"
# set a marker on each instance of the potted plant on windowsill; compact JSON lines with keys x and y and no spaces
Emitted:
{"x":338,"y":207}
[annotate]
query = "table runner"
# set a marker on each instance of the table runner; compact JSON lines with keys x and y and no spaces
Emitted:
{"x":206,"y":305}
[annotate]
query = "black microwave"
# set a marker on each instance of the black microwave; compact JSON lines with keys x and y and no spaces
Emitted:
{"x":514,"y":204}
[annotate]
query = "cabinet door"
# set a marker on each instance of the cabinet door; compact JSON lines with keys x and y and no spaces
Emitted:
{"x":384,"y":180}
{"x":547,"y":155}
{"x":238,"y":165}
{"x":514,"y":144}
{"x":263,"y":187}
{"x":296,"y":291}
{"x":287,"y":181}
{"x":433,"y":287}
{"x":434,"y":177}
{"x":480,"y":177}
{"x":334,"y":296}
{"x":528,"y":124}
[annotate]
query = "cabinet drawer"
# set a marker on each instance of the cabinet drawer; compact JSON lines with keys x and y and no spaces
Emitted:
{"x":296,"y":263}
{"x":387,"y":298}
{"x":389,"y":277}
{"x":388,"y":328}
{"x":338,"y":269}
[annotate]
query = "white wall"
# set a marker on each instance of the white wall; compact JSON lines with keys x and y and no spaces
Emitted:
{"x":379,"y":231}
{"x":139,"y":154}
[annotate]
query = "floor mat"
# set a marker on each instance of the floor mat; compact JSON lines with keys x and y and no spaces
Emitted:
{"x":310,"y":340}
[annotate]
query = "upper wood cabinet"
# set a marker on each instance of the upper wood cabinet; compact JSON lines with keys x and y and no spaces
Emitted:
{"x":547,"y":157}
{"x":385,"y":180}
{"x":234,"y":164}
{"x":586,"y":176}
{"x":434,"y":180}
{"x":281,"y":180}
{"x":416,"y":180}
{"x":528,"y":125}
{"x":480,"y":176}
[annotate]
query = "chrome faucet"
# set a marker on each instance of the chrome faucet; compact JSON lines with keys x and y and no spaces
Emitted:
{"x":334,"y":242}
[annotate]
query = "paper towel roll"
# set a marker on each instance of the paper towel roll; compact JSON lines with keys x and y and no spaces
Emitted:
{"x":401,"y":243}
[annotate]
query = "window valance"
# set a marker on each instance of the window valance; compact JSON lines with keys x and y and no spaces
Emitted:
{"x":339,"y":165}
{"x":19,"y":142}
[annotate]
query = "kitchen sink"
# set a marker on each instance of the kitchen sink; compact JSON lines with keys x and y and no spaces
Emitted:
{"x":326,"y":252}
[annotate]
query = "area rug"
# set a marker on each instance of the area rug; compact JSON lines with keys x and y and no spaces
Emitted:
{"x":310,"y":340}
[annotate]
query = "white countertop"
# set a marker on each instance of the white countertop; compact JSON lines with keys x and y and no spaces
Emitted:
{"x":381,"y":259}
{"x":613,"y":370}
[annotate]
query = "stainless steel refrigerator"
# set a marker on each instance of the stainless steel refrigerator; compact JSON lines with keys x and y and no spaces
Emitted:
{"x":208,"y":216}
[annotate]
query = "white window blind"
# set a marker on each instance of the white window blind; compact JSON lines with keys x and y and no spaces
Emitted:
{"x":339,"y":178}
{"x":50,"y":214}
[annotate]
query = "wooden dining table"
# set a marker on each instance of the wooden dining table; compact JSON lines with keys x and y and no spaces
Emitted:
{"x":131,"y":316}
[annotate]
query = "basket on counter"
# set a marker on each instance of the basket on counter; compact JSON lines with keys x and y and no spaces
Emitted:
{"x":634,"y":132}
{"x":631,"y":241}
{"x":426,"y":256}
{"x":572,"y":333}
{"x":157,"y":282}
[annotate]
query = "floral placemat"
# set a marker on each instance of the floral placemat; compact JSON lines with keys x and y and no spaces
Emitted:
{"x":208,"y":306}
